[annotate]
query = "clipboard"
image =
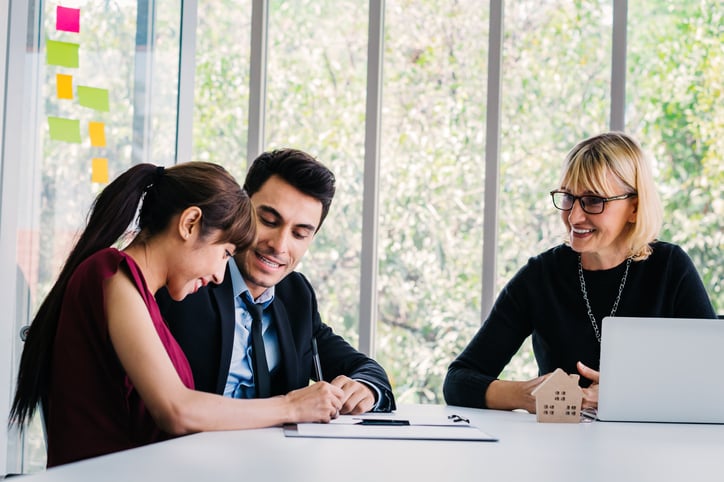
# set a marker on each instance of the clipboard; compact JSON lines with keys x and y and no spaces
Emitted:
{"x":455,"y":428}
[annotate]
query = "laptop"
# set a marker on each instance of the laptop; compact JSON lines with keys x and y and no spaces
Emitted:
{"x":661,"y":370}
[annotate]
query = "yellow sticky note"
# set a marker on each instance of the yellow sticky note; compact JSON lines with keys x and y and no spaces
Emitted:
{"x":97,"y":131}
{"x":99,"y":170}
{"x":64,"y":86}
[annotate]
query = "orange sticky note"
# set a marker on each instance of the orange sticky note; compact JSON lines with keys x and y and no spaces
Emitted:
{"x":97,"y":131}
{"x":99,"y":170}
{"x":64,"y":86}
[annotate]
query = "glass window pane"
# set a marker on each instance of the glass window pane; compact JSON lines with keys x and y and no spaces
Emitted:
{"x":164,"y":68}
{"x":556,"y":91}
{"x":221,"y":83}
{"x":675,"y":108}
{"x":431,"y":190}
{"x":316,"y":102}
{"x":90,"y":116}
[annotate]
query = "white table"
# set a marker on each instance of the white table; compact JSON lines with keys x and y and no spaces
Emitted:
{"x":526,"y":451}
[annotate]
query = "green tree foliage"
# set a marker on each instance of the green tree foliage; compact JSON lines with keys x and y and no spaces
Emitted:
{"x":677,"y":110}
{"x":431,"y":189}
{"x":221,"y":98}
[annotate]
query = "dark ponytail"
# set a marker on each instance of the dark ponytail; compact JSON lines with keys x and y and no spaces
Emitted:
{"x":113,"y":211}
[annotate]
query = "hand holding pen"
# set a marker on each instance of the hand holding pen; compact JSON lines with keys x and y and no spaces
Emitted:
{"x":358,"y":398}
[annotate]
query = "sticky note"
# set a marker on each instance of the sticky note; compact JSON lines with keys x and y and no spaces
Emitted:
{"x":99,"y":170}
{"x":97,"y":132}
{"x":67,"y":130}
{"x":64,"y":86}
{"x":64,"y":54}
{"x":93,"y":98}
{"x":67,"y":19}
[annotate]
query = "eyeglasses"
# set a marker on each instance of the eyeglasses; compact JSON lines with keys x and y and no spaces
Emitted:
{"x":590,"y":204}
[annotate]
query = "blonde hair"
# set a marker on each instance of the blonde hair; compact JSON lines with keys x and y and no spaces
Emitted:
{"x":604,"y":164}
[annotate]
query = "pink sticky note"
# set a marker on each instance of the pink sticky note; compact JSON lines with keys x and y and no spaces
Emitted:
{"x":67,"y":19}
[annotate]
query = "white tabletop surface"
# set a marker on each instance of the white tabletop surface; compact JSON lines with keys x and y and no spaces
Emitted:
{"x":526,"y":451}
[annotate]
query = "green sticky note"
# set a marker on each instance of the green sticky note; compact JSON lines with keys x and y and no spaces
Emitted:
{"x":67,"y":130}
{"x":93,"y":98}
{"x":64,"y":54}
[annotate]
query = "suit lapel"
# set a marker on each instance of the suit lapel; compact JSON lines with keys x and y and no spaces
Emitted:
{"x":223,"y":296}
{"x":287,"y":348}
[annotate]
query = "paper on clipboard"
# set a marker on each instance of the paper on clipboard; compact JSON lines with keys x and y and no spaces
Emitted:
{"x":419,"y":428}
{"x":393,"y":418}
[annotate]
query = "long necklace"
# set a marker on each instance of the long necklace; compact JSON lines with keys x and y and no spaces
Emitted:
{"x":585,"y":296}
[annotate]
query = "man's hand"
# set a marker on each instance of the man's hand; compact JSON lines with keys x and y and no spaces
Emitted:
{"x":358,"y":397}
{"x":590,"y":394}
{"x":319,"y":402}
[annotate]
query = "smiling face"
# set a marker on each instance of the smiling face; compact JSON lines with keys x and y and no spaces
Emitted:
{"x":286,"y":222}
{"x":201,"y":262}
{"x":602,"y":239}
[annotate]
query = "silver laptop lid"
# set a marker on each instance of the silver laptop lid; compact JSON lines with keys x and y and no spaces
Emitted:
{"x":662,"y":370}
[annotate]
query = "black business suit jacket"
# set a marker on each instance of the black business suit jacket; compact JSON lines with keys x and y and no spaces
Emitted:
{"x":203,"y":324}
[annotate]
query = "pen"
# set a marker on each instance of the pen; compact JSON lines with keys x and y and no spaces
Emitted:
{"x":383,"y":421}
{"x":315,"y":358}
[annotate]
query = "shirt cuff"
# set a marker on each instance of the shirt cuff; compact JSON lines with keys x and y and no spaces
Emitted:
{"x":376,"y":391}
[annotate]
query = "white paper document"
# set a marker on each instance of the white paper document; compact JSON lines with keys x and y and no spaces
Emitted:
{"x":390,"y":426}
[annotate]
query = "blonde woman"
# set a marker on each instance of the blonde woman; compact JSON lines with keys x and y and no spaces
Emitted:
{"x":611,"y":264}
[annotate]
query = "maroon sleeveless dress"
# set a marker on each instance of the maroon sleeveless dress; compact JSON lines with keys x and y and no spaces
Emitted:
{"x":92,"y":406}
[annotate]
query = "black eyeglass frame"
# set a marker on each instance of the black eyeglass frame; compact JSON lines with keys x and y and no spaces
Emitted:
{"x":582,"y":202}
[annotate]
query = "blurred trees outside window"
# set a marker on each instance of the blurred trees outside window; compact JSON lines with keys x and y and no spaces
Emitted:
{"x":676,"y":109}
{"x":556,"y":91}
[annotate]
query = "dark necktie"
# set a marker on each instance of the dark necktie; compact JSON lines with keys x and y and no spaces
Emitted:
{"x":258,"y":353}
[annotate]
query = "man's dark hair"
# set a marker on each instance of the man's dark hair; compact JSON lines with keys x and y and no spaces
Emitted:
{"x":297,"y":168}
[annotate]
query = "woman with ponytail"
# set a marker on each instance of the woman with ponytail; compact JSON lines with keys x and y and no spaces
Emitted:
{"x":99,"y":359}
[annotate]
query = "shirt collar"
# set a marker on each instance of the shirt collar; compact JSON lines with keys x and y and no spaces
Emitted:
{"x":239,"y":285}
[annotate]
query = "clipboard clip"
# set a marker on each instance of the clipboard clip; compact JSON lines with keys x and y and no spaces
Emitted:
{"x":457,"y":418}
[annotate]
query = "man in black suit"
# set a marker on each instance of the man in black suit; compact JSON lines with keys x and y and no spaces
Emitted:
{"x":291,"y":193}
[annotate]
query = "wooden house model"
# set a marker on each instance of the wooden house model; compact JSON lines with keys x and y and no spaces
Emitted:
{"x":558,"y":398}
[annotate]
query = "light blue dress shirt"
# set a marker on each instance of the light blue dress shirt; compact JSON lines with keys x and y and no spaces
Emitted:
{"x":240,"y":383}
